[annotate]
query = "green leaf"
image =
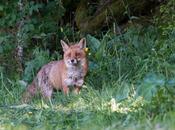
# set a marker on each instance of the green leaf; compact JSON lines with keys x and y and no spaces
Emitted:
{"x":1,"y":8}
{"x":92,"y":65}
{"x":1,"y":50}
{"x":93,"y":43}
{"x":150,"y":85}
{"x":171,"y":83}
{"x":123,"y":92}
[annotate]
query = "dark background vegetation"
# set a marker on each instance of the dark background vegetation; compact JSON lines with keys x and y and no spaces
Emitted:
{"x":131,"y":80}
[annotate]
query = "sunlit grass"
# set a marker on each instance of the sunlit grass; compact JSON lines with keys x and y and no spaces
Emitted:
{"x":91,"y":109}
{"x":127,"y":88}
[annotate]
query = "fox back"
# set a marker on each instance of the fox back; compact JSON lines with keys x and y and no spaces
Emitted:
{"x":62,"y":74}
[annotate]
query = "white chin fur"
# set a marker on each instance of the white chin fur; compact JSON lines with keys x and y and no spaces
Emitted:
{"x":79,"y":82}
{"x":69,"y":64}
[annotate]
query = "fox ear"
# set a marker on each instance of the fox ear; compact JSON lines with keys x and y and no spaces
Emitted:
{"x":82,"y":43}
{"x":64,"y":45}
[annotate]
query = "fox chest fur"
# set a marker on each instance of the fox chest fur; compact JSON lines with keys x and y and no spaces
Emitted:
{"x":74,"y":77}
{"x":59,"y":76}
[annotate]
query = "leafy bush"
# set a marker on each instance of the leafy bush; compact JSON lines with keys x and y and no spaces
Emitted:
{"x":131,"y":79}
{"x":166,"y":21}
{"x":140,"y":68}
{"x":40,"y":58}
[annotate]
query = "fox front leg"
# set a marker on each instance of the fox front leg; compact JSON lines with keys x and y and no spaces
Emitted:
{"x":78,"y":85}
{"x":65,"y":89}
{"x":77,"y":89}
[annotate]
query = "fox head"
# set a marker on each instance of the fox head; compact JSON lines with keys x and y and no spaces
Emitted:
{"x":74,"y":55}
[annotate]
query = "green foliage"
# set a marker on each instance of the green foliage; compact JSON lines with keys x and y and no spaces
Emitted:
{"x":166,"y":21}
{"x":40,"y":58}
{"x":131,"y":79}
{"x":129,"y":86}
{"x":34,"y":24}
{"x":5,"y":44}
{"x":8,"y":13}
{"x":150,"y":85}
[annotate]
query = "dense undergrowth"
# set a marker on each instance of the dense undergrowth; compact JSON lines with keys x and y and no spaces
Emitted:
{"x":130,"y":84}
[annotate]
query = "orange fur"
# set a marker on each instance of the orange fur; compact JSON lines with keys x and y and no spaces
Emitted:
{"x":61,"y":74}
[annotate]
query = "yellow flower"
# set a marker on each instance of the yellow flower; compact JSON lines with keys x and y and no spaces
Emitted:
{"x":86,"y":49}
{"x":30,"y":113}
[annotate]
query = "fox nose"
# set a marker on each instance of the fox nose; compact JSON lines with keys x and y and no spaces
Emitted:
{"x":74,"y":61}
{"x":75,"y":79}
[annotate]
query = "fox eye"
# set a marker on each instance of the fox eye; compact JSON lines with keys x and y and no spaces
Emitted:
{"x":69,"y":54}
{"x":78,"y":54}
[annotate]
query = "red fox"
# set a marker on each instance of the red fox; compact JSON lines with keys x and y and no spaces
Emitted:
{"x":60,"y":75}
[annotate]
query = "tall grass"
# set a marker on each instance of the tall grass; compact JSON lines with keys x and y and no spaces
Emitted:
{"x":130,"y":86}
